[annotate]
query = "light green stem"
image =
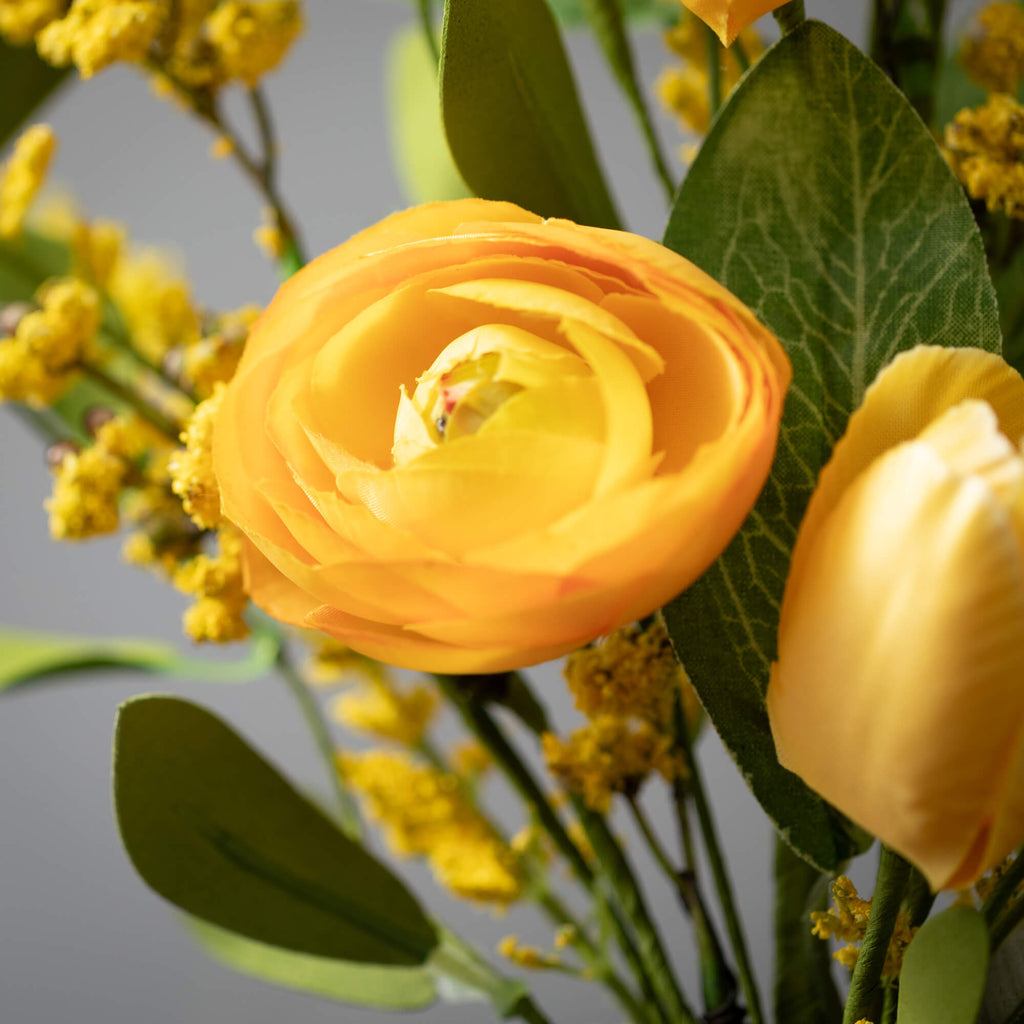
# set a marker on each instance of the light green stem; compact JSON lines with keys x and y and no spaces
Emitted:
{"x":348,"y":815}
{"x":893,"y":874}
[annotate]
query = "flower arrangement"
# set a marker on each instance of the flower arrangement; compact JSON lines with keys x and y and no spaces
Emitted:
{"x":762,"y":477}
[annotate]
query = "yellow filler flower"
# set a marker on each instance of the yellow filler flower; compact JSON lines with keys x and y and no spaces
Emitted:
{"x":897,"y":692}
{"x":728,"y":18}
{"x":470,"y":439}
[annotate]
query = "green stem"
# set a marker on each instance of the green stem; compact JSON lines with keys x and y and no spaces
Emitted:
{"x":717,"y":981}
{"x":790,"y":15}
{"x":479,"y":721}
{"x":893,"y":874}
{"x":890,"y":1003}
{"x":47,"y":422}
{"x":607,"y":20}
{"x":723,"y":886}
{"x":1004,"y":889}
{"x":526,"y":1009}
{"x":348,"y":816}
{"x":427,"y":24}
{"x":714,"y":71}
{"x":1006,"y":924}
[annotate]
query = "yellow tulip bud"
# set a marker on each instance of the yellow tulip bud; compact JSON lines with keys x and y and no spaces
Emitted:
{"x":897,"y":693}
{"x":728,"y":18}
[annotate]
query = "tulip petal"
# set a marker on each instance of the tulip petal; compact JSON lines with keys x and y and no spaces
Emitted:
{"x":904,"y":629}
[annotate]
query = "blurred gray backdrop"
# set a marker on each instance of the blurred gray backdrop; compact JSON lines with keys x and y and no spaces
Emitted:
{"x":82,"y":940}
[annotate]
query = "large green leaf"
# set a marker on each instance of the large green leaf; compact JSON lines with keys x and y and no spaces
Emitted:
{"x":511,"y":112}
{"x":384,"y":988}
{"x":821,"y":200}
{"x":25,"y":81}
{"x":944,"y":971}
{"x":27,"y":655}
{"x":422,"y":158}
{"x":213,"y":828}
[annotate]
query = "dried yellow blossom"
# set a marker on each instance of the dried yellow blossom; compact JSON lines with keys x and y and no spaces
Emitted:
{"x":96,"y":33}
{"x":214,"y":359}
{"x":20,"y":20}
{"x":216,"y":580}
{"x":425,"y":812}
{"x":848,"y":923}
{"x":85,"y":494}
{"x":993,"y":48}
{"x":529,"y":957}
{"x":189,"y":59}
{"x":632,"y":672}
{"x":609,"y":755}
{"x":96,"y":249}
{"x":471,"y":758}
{"x":23,"y":175}
{"x":155,"y":302}
{"x":985,"y":147}
{"x":383,"y":710}
{"x":250,"y":39}
{"x":57,"y":333}
{"x":24,"y":377}
{"x":192,"y":476}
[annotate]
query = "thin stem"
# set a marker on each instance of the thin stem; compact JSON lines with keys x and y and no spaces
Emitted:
{"x":714,"y":71}
{"x":654,"y":843}
{"x":790,"y":15}
{"x":1004,"y":889}
{"x":427,"y":24}
{"x":479,"y":721}
{"x":526,"y":1009}
{"x":606,"y":18}
{"x":893,"y":874}
{"x":268,"y":140}
{"x":115,"y":330}
{"x":1006,"y":924}
{"x":163,"y":423}
{"x":723,"y":886}
{"x":348,"y":816}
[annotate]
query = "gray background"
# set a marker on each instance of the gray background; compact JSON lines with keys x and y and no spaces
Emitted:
{"x":81,"y":939}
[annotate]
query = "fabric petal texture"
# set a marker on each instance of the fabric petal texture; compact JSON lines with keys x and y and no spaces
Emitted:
{"x":897,"y":691}
{"x":470,"y":440}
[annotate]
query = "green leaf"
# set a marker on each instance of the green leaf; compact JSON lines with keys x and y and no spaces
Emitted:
{"x":25,"y":82}
{"x":383,"y":988}
{"x":27,"y":655}
{"x":805,"y":991}
{"x":213,"y":828}
{"x":945,"y":970}
{"x":821,"y":200}
{"x":511,"y":112}
{"x":422,"y":159}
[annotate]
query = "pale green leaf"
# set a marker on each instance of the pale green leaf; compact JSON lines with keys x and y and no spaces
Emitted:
{"x":380,"y":987}
{"x":213,"y":828}
{"x":422,"y":159}
{"x":27,"y":655}
{"x":822,"y":201}
{"x":945,"y":970}
{"x":511,"y":113}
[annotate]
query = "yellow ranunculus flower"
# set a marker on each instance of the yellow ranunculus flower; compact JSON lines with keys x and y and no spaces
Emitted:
{"x":470,"y":439}
{"x":728,"y":18}
{"x":899,"y":688}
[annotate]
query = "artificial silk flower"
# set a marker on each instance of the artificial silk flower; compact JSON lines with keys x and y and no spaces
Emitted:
{"x":728,"y":18}
{"x":897,"y":692}
{"x":470,"y":439}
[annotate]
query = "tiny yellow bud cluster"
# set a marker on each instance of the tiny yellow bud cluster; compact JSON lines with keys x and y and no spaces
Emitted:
{"x":250,"y":39}
{"x":848,"y":923}
{"x":985,"y":147}
{"x":191,"y":468}
{"x":96,"y":250}
{"x":530,"y":957}
{"x":21,"y":20}
{"x":216,"y":582}
{"x":38,"y":357}
{"x":992,"y":52}
{"x":23,"y":175}
{"x":378,"y":707}
{"x":425,"y":812}
{"x":627,"y":687}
